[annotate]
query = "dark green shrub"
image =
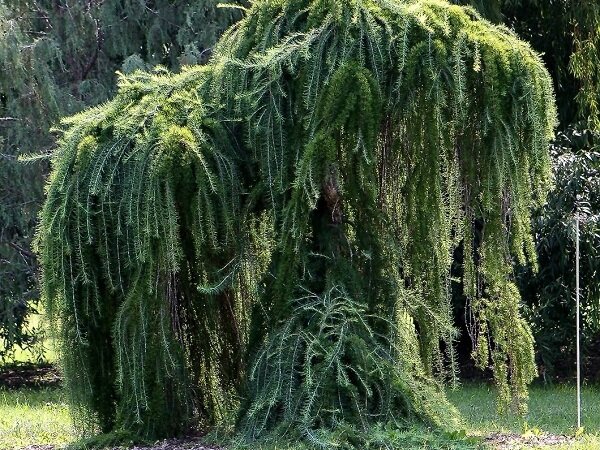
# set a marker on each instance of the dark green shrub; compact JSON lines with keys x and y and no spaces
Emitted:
{"x":550,"y":293}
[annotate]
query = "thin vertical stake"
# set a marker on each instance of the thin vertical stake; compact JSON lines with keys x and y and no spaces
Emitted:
{"x":577,"y":319}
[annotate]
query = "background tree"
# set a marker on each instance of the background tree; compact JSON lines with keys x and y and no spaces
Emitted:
{"x":550,"y":292}
{"x":56,"y":58}
{"x":567,"y":33}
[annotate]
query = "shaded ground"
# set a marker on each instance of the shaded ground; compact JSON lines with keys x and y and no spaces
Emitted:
{"x":169,"y":444}
{"x":29,"y":376}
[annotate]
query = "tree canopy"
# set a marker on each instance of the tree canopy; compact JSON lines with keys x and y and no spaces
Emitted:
{"x":567,"y":33}
{"x":295,"y":204}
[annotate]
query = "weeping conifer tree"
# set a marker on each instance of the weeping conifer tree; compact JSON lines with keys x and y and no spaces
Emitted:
{"x":267,"y":240}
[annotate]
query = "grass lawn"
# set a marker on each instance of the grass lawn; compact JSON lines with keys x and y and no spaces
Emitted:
{"x":552,"y":409}
{"x":30,"y":416}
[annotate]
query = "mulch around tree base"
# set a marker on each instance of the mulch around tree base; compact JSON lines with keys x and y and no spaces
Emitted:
{"x":34,"y":376}
{"x":509,"y":441}
{"x":495,"y":441}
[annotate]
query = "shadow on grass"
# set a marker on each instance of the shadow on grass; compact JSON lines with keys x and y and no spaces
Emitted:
{"x":26,"y":375}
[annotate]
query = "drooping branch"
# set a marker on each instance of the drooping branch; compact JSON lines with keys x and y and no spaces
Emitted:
{"x":297,"y":202}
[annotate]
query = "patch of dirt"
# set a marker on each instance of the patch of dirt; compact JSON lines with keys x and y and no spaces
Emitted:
{"x":39,"y":447}
{"x":16,"y":377}
{"x":167,"y":444}
{"x":178,"y":444}
{"x":513,"y":441}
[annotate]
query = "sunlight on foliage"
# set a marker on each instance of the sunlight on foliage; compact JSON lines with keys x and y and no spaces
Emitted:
{"x":268,"y":239}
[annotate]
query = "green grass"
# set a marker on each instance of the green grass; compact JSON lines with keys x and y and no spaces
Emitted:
{"x":29,"y":416}
{"x":552,"y":409}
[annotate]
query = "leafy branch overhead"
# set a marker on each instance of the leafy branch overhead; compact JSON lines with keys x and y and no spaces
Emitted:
{"x":295,"y":205}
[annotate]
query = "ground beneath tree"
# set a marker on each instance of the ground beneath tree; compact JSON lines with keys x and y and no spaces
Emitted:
{"x":47,"y":376}
{"x":495,"y":441}
{"x":509,"y":441}
{"x":178,"y":444}
{"x":31,"y":376}
{"x":168,"y":444}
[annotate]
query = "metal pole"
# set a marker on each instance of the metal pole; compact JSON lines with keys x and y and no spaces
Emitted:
{"x":577,"y":319}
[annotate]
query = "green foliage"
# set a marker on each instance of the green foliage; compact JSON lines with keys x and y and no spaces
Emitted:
{"x":585,"y":60}
{"x":23,"y":334}
{"x":567,"y":34}
{"x":56,"y":58}
{"x":19,"y":197}
{"x":118,"y":438}
{"x":151,"y":224}
{"x":550,"y":292}
{"x":295,"y":204}
{"x":378,"y":437}
{"x":337,"y":377}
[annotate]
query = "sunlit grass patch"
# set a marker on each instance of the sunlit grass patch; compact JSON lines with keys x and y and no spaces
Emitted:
{"x":38,"y":417}
{"x":29,"y":416}
{"x":552,"y":409}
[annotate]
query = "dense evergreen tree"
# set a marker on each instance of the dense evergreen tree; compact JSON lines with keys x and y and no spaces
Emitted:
{"x":296,"y":204}
{"x":57,"y":57}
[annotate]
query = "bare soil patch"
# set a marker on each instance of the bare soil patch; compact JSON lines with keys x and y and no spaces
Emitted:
{"x":511,"y":441}
{"x":167,"y":444}
{"x":29,"y":376}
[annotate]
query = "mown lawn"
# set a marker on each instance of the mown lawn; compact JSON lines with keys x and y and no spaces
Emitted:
{"x":34,"y":417}
{"x":29,"y":416}
{"x":552,"y":409}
